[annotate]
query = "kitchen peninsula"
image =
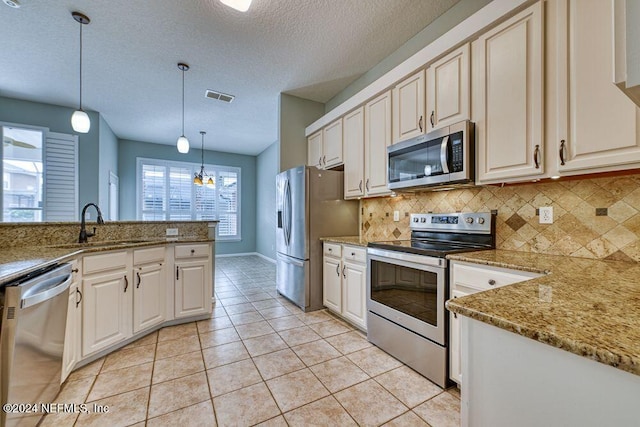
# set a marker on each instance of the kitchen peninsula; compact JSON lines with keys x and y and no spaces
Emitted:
{"x":560,"y":349}
{"x":130,"y":279}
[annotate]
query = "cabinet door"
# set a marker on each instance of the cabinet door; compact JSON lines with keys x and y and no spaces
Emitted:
{"x":454,"y":342}
{"x":598,"y":123}
{"x":408,"y":108}
{"x":314,"y":153}
{"x":332,"y":144}
{"x":106,"y":310}
{"x":149,"y":296}
{"x":192,"y":280}
{"x":354,"y":293}
{"x":71,"y":337}
{"x":507,"y":98}
{"x":331,"y":284}
{"x":448,"y":96}
{"x":377,"y":137}
{"x":353,"y":147}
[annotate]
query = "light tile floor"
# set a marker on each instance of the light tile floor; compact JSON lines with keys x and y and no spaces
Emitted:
{"x":258,"y":360}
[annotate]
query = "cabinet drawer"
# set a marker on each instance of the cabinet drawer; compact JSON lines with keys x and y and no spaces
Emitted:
{"x":483,"y":278}
{"x":192,"y":251}
{"x":147,"y":255}
{"x":332,"y":249}
{"x":103,"y":262}
{"x":352,"y":253}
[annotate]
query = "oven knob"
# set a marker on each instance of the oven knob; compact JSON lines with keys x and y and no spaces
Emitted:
{"x":480,"y":220}
{"x":469,"y":220}
{"x":415,"y":219}
{"x":423,"y":219}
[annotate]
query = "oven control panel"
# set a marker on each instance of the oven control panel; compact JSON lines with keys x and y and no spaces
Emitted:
{"x":474,"y":222}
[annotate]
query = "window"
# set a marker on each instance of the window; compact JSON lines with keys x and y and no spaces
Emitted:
{"x":166,"y":192}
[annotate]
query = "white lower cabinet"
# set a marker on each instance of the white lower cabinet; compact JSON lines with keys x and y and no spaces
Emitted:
{"x":193,"y":280}
{"x":344,"y":282}
{"x":71,"y":352}
{"x":466,"y":279}
{"x":149,"y":293}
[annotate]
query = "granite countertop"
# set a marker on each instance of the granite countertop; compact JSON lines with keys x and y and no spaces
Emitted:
{"x":584,"y":306}
{"x":347,"y":240}
{"x":18,"y":261}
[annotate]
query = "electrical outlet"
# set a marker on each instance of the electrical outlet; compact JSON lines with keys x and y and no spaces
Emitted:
{"x":546,"y":215}
{"x":396,"y":216}
{"x":172,"y":231}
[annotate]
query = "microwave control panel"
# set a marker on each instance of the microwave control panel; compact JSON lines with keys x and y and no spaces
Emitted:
{"x":457,"y":152}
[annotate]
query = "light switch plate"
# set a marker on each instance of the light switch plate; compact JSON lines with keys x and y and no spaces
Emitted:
{"x":172,"y":231}
{"x":396,"y":216}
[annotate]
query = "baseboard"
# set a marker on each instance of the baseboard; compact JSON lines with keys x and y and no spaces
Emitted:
{"x":266,"y":258}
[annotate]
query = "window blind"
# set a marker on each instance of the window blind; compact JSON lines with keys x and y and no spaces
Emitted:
{"x":61,"y":177}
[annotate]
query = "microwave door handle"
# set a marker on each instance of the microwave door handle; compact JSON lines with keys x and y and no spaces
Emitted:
{"x":443,"y":154}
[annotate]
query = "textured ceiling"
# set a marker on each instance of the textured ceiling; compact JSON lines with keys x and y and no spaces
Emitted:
{"x":309,"y":48}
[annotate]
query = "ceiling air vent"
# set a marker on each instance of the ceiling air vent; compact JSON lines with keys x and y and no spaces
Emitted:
{"x":214,"y":94}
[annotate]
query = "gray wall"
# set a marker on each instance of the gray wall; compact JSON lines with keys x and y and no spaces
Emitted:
{"x":295,"y":115}
{"x":58,"y":119}
{"x":108,"y":161}
{"x":129,"y":151}
{"x":266,"y":171}
{"x":452,"y":17}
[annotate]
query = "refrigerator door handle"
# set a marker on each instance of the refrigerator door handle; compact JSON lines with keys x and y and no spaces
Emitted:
{"x":290,"y":260}
{"x":288,"y":219}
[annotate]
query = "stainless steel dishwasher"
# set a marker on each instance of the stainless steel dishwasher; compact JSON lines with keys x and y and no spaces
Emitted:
{"x":34,"y":319}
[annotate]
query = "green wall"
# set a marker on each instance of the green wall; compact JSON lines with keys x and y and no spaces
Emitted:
{"x":266,"y":171}
{"x":295,"y":115}
{"x":58,"y":119}
{"x":452,"y":17}
{"x":129,"y":151}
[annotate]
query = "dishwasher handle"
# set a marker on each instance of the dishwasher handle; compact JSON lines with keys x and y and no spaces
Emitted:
{"x":47,"y":290}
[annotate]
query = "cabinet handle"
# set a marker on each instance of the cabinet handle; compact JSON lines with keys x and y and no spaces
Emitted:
{"x":367,"y":185}
{"x":324,"y":160}
{"x":139,"y":280}
{"x":126,"y":283}
{"x":492,"y":282}
{"x":420,"y":123}
{"x":536,"y":154}
{"x":177,"y":273}
{"x":353,"y":254}
{"x":562,"y":152}
{"x":75,"y":270}
{"x":360,"y":186}
{"x":432,"y":117}
{"x":78,"y":301}
{"x":455,"y":315}
{"x":320,"y":161}
{"x":338,"y":270}
{"x":330,"y":250}
{"x":343,"y":273}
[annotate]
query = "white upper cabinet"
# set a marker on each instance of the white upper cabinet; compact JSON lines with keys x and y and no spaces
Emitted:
{"x":353,"y":132}
{"x":408,"y":108}
{"x":332,"y":145}
{"x":448,"y":96}
{"x":507,"y":97}
{"x":596,"y":121}
{"x":314,"y":151}
{"x":377,"y":137}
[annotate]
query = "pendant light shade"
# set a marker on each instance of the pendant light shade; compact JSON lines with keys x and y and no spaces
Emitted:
{"x":183,"y":143}
{"x":80,"y":119}
{"x":241,"y":5}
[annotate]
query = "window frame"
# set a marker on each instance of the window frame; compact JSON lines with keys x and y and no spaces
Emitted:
{"x":194,"y":168}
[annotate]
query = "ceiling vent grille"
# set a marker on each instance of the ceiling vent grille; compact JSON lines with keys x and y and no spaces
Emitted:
{"x":214,"y":94}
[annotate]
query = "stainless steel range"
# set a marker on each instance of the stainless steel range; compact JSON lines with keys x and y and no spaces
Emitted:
{"x":408,"y":284}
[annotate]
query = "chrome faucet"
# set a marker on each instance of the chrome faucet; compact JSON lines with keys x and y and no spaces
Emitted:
{"x":83,"y":232}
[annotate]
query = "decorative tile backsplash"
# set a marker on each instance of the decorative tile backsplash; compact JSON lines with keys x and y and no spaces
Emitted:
{"x":593,"y":218}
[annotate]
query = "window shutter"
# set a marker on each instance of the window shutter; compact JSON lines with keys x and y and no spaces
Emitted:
{"x":61,"y":177}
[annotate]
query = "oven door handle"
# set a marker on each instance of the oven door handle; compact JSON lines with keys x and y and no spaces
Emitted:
{"x":407,"y":257}
{"x":443,"y":154}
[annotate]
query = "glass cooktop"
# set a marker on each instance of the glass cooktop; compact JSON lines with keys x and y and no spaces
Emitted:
{"x":428,"y":247}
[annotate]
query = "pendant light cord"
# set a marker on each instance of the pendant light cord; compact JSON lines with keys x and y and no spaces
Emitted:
{"x":183,"y":102}
{"x":81,"y":24}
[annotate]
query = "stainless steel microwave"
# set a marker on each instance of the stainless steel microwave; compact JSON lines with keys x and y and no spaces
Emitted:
{"x":440,"y":158}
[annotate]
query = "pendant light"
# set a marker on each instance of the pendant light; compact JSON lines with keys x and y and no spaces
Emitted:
{"x":241,"y":5}
{"x":199,"y":177}
{"x":80,"y":119}
{"x":183,"y":142}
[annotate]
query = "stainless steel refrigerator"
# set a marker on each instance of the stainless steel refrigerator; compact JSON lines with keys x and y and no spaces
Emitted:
{"x":309,"y":205}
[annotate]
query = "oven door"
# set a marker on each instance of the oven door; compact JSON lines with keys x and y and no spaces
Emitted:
{"x":408,"y":290}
